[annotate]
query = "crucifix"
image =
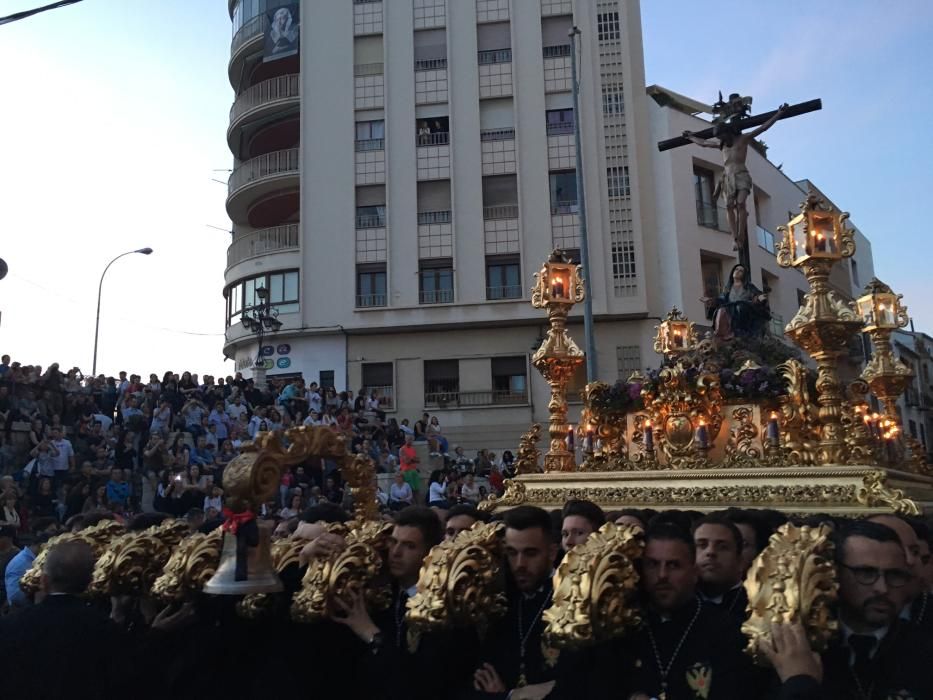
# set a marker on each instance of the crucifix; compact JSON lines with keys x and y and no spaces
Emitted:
{"x":730,"y":118}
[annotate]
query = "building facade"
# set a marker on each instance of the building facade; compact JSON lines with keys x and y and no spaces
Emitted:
{"x":398,"y":181}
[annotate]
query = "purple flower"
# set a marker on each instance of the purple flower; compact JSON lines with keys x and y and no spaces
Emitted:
{"x":634,"y":391}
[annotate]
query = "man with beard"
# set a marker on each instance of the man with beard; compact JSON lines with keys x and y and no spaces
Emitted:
{"x":514,"y":660}
{"x":686,"y":647}
{"x":719,"y":546}
{"x":878,"y":655}
{"x":916,"y":590}
{"x":388,"y":666}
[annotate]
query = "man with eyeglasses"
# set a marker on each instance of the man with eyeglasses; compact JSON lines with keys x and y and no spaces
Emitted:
{"x":915,"y":590}
{"x":877,"y":654}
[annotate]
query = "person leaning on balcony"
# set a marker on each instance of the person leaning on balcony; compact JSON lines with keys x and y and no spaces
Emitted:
{"x":408,"y":460}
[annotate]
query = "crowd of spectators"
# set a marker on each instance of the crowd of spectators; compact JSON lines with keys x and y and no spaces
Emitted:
{"x":72,"y":444}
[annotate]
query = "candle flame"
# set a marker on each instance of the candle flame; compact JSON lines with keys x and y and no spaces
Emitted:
{"x":774,"y":415}
{"x":647,"y":422}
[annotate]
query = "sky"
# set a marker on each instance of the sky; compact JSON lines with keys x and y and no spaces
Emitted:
{"x":114,"y":128}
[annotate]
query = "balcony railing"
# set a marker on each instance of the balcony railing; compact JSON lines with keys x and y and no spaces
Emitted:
{"x":281,"y":88}
{"x":766,"y":239}
{"x":385,"y":394}
{"x":439,"y":63}
{"x":438,"y":138}
{"x":363,"y":69}
{"x":436,"y":296}
{"x":434,"y":217}
{"x":267,"y":165}
{"x":250,"y":30}
{"x":268,"y":240}
{"x":486,"y":58}
{"x":500,"y":211}
{"x":370,"y":221}
{"x":460,"y":399}
{"x":506,"y":292}
{"x":366,"y":300}
{"x":496,"y":134}
{"x":564,"y":207}
{"x":370,"y":144}
{"x":712,"y":216}
{"x":558,"y":128}
{"x":556,"y":51}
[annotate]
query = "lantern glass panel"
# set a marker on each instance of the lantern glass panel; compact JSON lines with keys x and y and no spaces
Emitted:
{"x":866,"y":310}
{"x":823,"y":236}
{"x":798,"y":232}
{"x":886,"y":310}
{"x":560,"y":282}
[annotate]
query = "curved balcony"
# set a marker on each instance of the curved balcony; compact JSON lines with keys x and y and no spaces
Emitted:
{"x":247,"y":40}
{"x":262,"y":100}
{"x":270,"y":240}
{"x":259,"y":177}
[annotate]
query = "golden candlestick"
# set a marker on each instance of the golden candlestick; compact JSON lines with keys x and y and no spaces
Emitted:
{"x":558,"y":286}
{"x":882,"y":313}
{"x":814,"y":241}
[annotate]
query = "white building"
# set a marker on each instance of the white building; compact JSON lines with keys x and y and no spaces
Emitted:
{"x":396,"y":185}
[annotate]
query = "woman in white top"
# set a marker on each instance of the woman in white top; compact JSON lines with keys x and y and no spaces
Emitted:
{"x":437,"y":491}
{"x":400,"y":493}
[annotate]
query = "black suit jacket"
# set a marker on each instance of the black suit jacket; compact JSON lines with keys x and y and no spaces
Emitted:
{"x":60,"y":648}
{"x":900,"y":670}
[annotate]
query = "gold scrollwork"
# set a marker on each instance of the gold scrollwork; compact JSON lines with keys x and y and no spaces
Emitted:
{"x":132,"y":562}
{"x":874,"y":492}
{"x":740,"y":448}
{"x":594,"y":588}
{"x":526,"y":461}
{"x":512,"y":495}
{"x":792,"y":580}
{"x":192,"y":564}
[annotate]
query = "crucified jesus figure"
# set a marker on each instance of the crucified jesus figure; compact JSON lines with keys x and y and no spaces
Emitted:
{"x":736,"y":182}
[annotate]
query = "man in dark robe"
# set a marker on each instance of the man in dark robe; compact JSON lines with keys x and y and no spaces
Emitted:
{"x":720,"y":563}
{"x":877,"y":655}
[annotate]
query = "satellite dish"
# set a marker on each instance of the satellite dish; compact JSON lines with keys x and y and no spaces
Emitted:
{"x":4,"y":268}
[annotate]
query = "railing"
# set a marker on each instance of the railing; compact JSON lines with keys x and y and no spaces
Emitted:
{"x":436,"y":296}
{"x":459,"y":399}
{"x":711,"y":216}
{"x":777,"y":325}
{"x":370,"y":144}
{"x":501,"y":211}
{"x":365,"y":300}
{"x":280,"y":88}
{"x":251,"y":29}
{"x":766,"y":239}
{"x":365,"y":2}
{"x":557,"y":128}
{"x":434,"y":217}
{"x":267,"y":240}
{"x":362,"y":69}
{"x":485,"y":58}
{"x":370,"y":221}
{"x":556,"y":51}
{"x":505,"y":292}
{"x":564,"y":207}
{"x":496,"y":134}
{"x":269,"y":164}
{"x":431,"y":63}
{"x":386,"y":395}
{"x":438,"y":138}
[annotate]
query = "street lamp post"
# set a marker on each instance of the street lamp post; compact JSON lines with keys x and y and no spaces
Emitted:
{"x":100,"y":287}
{"x":589,"y":340}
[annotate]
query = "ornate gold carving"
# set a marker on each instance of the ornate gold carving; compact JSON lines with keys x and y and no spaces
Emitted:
{"x":360,"y":475}
{"x":740,"y":449}
{"x":356,"y":568}
{"x":608,"y":426}
{"x":513,"y":495}
{"x":98,"y":536}
{"x":132,"y":562}
{"x":792,"y":580}
{"x":191,"y":565}
{"x":799,"y":419}
{"x":874,"y":492}
{"x":526,"y":461}
{"x":460,"y":583}
{"x":678,"y":407}
{"x":594,"y":588}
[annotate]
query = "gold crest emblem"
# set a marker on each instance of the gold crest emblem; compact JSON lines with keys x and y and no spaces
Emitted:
{"x":550,"y":654}
{"x":699,"y":678}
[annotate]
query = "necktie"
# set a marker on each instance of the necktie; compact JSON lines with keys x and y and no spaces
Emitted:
{"x":862,"y":645}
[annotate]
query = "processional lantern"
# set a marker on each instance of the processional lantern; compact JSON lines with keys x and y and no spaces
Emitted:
{"x":815,"y":233}
{"x":675,"y":335}
{"x":880,"y":308}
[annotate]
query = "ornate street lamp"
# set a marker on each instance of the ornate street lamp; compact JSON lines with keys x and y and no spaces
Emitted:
{"x":558,"y":286}
{"x":882,"y":313}
{"x":814,"y":241}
